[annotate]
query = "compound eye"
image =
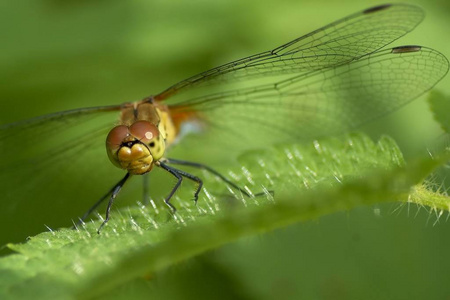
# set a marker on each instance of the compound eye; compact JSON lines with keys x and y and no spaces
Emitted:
{"x":144,"y":131}
{"x":116,"y":136}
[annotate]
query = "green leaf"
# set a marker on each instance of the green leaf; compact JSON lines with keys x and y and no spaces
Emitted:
{"x":440,"y":106}
{"x":308,"y":180}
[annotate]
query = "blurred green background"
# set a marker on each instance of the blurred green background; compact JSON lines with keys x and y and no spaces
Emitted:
{"x":58,"y":55}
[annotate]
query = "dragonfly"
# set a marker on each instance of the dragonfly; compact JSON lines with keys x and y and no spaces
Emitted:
{"x":325,"y":82}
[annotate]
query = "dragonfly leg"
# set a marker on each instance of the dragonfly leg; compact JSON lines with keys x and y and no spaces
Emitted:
{"x":191,"y":177}
{"x":212,"y":171}
{"x":179,"y":177}
{"x":114,"y":192}
{"x":103,"y":198}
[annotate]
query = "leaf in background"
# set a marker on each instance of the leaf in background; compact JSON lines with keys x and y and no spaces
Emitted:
{"x":440,"y":106}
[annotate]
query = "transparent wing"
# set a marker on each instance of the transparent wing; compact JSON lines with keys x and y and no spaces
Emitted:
{"x":339,"y":42}
{"x":60,"y":157}
{"x":51,"y":136}
{"x":325,"y":82}
{"x":324,"y":101}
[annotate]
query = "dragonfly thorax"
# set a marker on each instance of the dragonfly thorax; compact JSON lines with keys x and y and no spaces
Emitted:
{"x":135,"y":148}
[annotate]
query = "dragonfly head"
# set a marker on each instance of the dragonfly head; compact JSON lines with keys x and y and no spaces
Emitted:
{"x":136,"y":147}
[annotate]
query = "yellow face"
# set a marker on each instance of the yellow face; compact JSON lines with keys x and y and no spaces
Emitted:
{"x":135,"y":148}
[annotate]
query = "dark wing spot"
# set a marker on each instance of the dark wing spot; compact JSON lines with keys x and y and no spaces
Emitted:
{"x":376,"y":8}
{"x":406,"y":49}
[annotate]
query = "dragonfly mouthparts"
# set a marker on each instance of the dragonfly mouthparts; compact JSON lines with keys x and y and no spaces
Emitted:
{"x":130,"y":144}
